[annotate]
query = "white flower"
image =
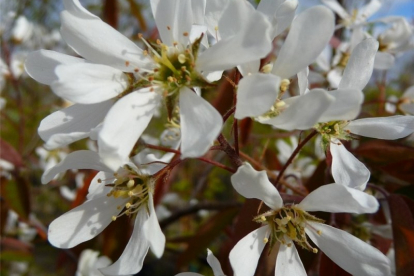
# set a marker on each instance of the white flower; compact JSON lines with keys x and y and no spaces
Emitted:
{"x":129,"y":193}
{"x":261,"y":95}
{"x":346,"y":168}
{"x":394,"y":40}
{"x":89,"y":263}
{"x":358,"y":16}
{"x":214,"y":264}
{"x":290,"y":224}
{"x":407,"y":101}
{"x":167,"y":73}
{"x":22,"y":30}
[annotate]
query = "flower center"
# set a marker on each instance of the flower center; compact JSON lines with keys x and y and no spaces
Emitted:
{"x":132,"y":186}
{"x":279,"y":105}
{"x":333,"y":130}
{"x":288,"y":224}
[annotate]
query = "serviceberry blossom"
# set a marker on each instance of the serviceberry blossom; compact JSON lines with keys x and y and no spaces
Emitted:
{"x":287,"y":225}
{"x":262,"y":94}
{"x":122,"y":85}
{"x":357,"y":16}
{"x":111,"y":194}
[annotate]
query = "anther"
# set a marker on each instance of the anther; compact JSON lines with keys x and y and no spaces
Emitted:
{"x":99,"y":180}
{"x":284,"y":85}
{"x":319,"y":232}
{"x":113,"y":218}
{"x":181,"y":58}
{"x":263,"y":218}
{"x":169,"y":28}
{"x":267,"y":68}
{"x":131,"y":183}
{"x":140,"y":36}
{"x":185,"y":34}
{"x":170,"y":79}
{"x":315,"y":250}
{"x":126,"y":63}
{"x":158,"y":42}
{"x":136,"y":70}
{"x":265,"y":240}
{"x":145,"y":52}
{"x":150,"y":78}
{"x":128,"y":205}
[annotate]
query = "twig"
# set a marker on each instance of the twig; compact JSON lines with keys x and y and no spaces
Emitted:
{"x":195,"y":208}
{"x":293,"y":155}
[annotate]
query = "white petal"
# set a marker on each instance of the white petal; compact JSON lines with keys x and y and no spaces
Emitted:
{"x":75,"y":7}
{"x":288,"y":261}
{"x":313,"y":27}
{"x":100,"y":43}
{"x":152,"y":231}
{"x":214,"y":264}
{"x":251,"y":41}
{"x":256,"y":94}
{"x":84,"y":222}
{"x":72,"y":123}
{"x":302,"y":112}
{"x":389,"y":128}
{"x":134,"y":253}
{"x":200,"y":124}
{"x":88,"y":83}
{"x":253,"y":184}
{"x":97,"y":187}
{"x":366,"y":11}
{"x":383,"y":61}
{"x":173,"y":18}
{"x":349,"y":252}
{"x":347,"y":169}
{"x":284,"y":16}
{"x":81,"y":159}
{"x":346,"y":106}
{"x":124,"y":124}
{"x":334,"y":76}
{"x":41,"y":65}
{"x":269,"y":7}
{"x":334,"y":198}
{"x":249,"y":68}
{"x":336,"y":7}
{"x":359,"y":68}
{"x":246,"y":253}
{"x":303,"y":81}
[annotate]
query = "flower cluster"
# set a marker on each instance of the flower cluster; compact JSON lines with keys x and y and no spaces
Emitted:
{"x":283,"y":80}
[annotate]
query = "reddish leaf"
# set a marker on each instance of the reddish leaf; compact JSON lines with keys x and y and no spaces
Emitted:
{"x":8,"y":153}
{"x":246,"y":126}
{"x":328,"y":268}
{"x":402,"y":215}
{"x":318,"y":177}
{"x":11,"y":244}
{"x":383,"y":152}
{"x":110,"y":12}
{"x":83,"y":192}
{"x":402,"y":170}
